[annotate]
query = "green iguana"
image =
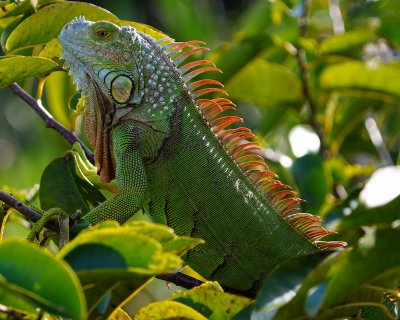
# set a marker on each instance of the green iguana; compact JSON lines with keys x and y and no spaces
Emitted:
{"x":174,"y":153}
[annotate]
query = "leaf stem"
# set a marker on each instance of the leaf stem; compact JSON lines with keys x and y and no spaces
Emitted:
{"x":305,"y":77}
{"x":50,"y":122}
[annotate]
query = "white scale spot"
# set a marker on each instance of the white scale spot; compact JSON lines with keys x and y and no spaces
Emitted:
{"x":237,"y":184}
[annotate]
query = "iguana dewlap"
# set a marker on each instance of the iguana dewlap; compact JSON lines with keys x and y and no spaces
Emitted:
{"x":174,"y":152}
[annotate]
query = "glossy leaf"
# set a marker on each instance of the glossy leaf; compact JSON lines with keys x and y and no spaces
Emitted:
{"x":349,"y":277}
{"x":281,"y":286}
{"x":121,"y":260}
{"x":168,"y":310}
{"x":16,"y":68}
{"x":360,"y":76}
{"x":310,"y":177}
{"x":344,"y":43}
{"x":121,"y":248}
{"x":32,"y":278}
{"x":211,"y":301}
{"x":48,"y":21}
{"x":149,"y":30}
{"x":264,"y":82}
{"x":364,"y":216}
{"x":59,"y":88}
{"x":61,"y":187}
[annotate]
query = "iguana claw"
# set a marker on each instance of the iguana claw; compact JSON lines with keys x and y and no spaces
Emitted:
{"x":87,"y":171}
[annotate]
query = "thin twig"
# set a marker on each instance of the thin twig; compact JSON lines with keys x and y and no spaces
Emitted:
{"x":305,"y":77}
{"x":181,"y":280}
{"x":28,"y":212}
{"x":49,"y":120}
{"x":12,"y":313}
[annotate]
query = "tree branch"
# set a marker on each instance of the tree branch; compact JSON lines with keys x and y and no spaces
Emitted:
{"x":49,"y":120}
{"x":189,"y":282}
{"x":28,"y":212}
{"x":305,"y":77}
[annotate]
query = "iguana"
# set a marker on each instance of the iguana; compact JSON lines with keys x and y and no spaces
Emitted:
{"x":174,"y":152}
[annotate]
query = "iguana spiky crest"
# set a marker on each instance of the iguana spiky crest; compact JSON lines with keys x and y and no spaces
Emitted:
{"x":235,"y":141}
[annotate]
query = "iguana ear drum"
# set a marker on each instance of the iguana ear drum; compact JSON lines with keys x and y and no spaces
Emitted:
{"x":121,"y":89}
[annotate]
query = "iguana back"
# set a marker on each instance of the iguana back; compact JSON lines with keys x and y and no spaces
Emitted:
{"x":174,"y":153}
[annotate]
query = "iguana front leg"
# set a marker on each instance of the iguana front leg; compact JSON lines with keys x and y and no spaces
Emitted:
{"x":130,"y":176}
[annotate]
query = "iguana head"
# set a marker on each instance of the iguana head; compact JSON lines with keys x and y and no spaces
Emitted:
{"x":103,"y":52}
{"x":118,"y":69}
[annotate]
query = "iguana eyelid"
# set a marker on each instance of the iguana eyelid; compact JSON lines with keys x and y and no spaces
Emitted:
{"x":103,"y":34}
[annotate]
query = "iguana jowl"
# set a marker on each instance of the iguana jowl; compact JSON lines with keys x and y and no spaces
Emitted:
{"x":173,"y":153}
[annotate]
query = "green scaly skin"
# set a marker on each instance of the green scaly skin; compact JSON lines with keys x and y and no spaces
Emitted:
{"x":168,"y":161}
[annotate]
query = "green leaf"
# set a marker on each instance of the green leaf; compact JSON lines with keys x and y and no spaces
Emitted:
{"x":264,"y":82}
{"x":311,"y":180}
{"x":168,"y":310}
{"x":48,"y":21}
{"x":149,"y":30}
{"x":346,"y":42}
{"x":349,"y":270}
{"x":51,"y":50}
{"x":168,"y":239}
{"x":364,"y":216}
{"x":59,"y":88}
{"x":211,"y":301}
{"x":16,"y":68}
{"x":61,"y":187}
{"x":121,"y":259}
{"x":32,"y":277}
{"x":354,"y":278}
{"x":281,"y":286}
{"x":24,"y":7}
{"x":360,"y":76}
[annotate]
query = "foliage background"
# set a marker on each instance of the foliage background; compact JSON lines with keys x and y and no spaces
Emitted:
{"x":334,"y":74}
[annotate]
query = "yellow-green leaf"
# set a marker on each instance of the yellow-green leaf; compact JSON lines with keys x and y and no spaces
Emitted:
{"x":264,"y":82}
{"x":48,"y":21}
{"x":16,"y":68}
{"x":212,"y":302}
{"x":358,"y":75}
{"x":149,"y":30}
{"x":168,"y":310}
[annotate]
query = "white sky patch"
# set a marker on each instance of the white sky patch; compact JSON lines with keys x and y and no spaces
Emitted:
{"x":382,"y":187}
{"x":303,"y":140}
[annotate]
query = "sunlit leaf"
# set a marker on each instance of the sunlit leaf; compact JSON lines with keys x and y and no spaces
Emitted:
{"x":168,"y":310}
{"x":16,"y":68}
{"x":344,"y":43}
{"x":149,"y":30}
{"x":211,"y":301}
{"x":59,"y":88}
{"x":47,"y":22}
{"x":360,"y":76}
{"x":121,"y":260}
{"x":261,"y":81}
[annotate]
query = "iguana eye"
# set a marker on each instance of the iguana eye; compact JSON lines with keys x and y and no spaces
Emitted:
{"x":103,"y":34}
